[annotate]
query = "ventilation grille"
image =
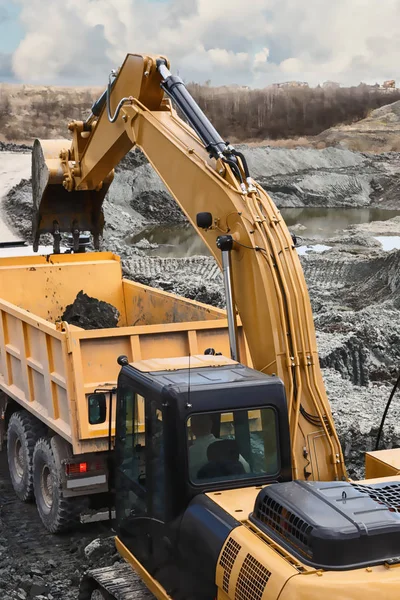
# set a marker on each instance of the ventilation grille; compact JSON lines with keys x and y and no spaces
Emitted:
{"x":227,"y":560}
{"x":288,"y":525}
{"x":388,"y":495}
{"x":253,"y":577}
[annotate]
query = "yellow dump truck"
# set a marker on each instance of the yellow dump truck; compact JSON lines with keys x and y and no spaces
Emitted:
{"x":49,"y":369}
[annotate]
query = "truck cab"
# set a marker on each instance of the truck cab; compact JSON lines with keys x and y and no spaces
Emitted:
{"x":186,"y":427}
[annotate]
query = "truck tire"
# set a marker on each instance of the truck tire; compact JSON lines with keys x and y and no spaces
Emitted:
{"x":22,"y":434}
{"x":58,"y":514}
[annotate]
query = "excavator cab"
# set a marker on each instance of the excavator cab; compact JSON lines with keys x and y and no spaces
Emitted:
{"x":182,"y":432}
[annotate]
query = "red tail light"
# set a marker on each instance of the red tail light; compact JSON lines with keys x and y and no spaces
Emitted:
{"x":84,"y":467}
{"x":76,"y":468}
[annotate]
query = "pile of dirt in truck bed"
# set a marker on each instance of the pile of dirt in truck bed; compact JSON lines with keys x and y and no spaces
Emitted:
{"x":90,"y":313}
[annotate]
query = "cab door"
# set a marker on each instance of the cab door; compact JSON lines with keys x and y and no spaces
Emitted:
{"x":140,"y":472}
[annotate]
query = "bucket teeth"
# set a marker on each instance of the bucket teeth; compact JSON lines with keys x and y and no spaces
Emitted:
{"x":53,"y":203}
{"x":56,"y":238}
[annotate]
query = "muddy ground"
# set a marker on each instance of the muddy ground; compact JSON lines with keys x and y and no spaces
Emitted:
{"x":354,"y":289}
{"x":37,"y":564}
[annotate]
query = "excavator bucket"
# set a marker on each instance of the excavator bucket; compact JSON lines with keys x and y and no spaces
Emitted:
{"x":56,"y":210}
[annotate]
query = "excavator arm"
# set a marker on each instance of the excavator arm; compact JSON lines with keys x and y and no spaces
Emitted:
{"x":204,"y":175}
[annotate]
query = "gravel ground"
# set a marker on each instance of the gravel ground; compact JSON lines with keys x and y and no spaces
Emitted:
{"x":37,"y":564}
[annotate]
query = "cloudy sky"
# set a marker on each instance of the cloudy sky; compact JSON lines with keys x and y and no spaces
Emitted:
{"x":253,"y":42}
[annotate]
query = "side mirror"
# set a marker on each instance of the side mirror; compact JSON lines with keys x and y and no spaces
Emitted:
{"x":97,"y":408}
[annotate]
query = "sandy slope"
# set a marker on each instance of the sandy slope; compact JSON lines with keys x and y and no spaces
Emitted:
{"x":13,"y":167}
{"x":379,"y":132}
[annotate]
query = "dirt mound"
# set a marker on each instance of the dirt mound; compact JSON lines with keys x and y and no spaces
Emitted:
{"x":354,"y":281}
{"x":19,"y":208}
{"x":379,"y":132}
{"x":90,"y":313}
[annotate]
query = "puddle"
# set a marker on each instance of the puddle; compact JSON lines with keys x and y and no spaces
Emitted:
{"x":389,"y":242}
{"x":173,"y":241}
{"x":302,"y":250}
{"x":178,"y":241}
{"x":324,"y":223}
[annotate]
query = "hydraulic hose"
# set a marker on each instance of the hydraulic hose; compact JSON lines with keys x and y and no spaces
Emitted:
{"x":244,"y":161}
{"x":234,"y":168}
{"x":114,"y":117}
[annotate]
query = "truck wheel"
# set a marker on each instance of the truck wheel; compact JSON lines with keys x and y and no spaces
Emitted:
{"x":58,"y":513}
{"x":22,"y":433}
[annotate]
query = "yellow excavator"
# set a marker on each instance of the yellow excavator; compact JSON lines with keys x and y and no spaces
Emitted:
{"x":237,"y":487}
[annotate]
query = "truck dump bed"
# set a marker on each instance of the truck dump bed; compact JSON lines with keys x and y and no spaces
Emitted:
{"x":50,"y":367}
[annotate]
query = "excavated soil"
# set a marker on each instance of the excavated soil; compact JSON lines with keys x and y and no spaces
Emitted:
{"x":90,"y":313}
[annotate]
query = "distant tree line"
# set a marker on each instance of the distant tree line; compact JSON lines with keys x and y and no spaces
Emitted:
{"x":278,"y":113}
{"x":239,"y":114}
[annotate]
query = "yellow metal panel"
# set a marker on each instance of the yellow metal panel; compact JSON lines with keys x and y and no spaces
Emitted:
{"x":288,"y":579}
{"x":239,"y":502}
{"x":382,"y":463}
{"x":375,"y":583}
{"x":183,"y":362}
{"x":26,"y":371}
{"x":148,"y":306}
{"x":242,"y":583}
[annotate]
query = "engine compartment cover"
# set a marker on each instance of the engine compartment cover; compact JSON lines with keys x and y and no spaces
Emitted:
{"x":332,"y":525}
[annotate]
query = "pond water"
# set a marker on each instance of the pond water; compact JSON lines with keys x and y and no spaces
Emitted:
{"x":182,"y":240}
{"x":389,"y":242}
{"x":326,"y":222}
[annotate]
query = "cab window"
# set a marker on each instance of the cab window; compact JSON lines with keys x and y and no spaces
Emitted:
{"x":134,"y":439}
{"x":232,"y":445}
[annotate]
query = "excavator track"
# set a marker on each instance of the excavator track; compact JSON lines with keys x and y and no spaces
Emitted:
{"x":120,"y":582}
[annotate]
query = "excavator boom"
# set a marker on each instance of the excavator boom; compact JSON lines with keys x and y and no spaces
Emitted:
{"x":205,"y":175}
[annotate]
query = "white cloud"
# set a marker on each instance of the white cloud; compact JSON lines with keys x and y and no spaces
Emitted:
{"x":228,"y":41}
{"x":291,"y":65}
{"x":261,"y":58}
